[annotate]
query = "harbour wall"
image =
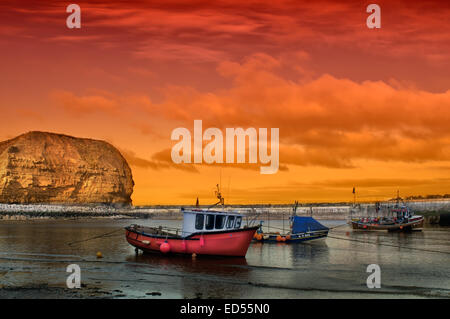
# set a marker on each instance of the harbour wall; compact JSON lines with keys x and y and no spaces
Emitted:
{"x":433,"y":210}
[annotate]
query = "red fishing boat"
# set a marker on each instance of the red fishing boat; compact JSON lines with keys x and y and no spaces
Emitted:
{"x":204,"y":232}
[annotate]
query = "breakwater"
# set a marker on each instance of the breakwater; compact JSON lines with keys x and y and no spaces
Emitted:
{"x":42,"y":211}
{"x":434,"y":211}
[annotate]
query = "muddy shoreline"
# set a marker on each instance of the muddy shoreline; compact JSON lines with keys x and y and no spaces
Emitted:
{"x":45,"y":291}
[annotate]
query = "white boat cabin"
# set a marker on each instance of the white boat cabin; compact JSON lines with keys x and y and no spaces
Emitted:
{"x":203,"y":221}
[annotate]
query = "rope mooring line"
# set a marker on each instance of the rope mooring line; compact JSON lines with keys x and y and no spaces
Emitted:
{"x":390,"y":245}
{"x":95,"y":237}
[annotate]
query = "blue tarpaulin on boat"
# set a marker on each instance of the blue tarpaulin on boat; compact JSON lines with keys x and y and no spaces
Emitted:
{"x":304,"y":224}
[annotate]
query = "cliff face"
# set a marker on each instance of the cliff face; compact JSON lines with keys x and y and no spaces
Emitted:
{"x":39,"y":167}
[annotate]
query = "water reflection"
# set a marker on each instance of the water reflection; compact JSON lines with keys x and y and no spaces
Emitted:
{"x":288,"y":255}
{"x":223,"y":266}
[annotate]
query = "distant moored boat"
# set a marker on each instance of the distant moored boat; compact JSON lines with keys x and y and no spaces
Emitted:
{"x":302,"y":228}
{"x":399,"y":218}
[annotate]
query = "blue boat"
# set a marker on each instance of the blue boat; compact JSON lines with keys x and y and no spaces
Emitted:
{"x":302,"y":228}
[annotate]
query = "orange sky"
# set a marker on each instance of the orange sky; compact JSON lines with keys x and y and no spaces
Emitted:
{"x":355,"y":106}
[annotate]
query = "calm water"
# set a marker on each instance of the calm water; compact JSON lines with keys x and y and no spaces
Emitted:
{"x":38,"y":253}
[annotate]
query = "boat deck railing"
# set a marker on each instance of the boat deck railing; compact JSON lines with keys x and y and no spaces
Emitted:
{"x":160,"y":230}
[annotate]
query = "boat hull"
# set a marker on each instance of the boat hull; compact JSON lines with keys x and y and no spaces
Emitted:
{"x":291,"y":239}
{"x":414,"y":223}
{"x":222,"y":243}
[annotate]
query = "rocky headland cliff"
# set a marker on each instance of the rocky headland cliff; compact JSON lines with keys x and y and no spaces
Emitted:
{"x":40,"y":167}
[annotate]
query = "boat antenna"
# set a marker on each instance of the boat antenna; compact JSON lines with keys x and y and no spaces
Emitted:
{"x":398,"y":198}
{"x":228,"y":192}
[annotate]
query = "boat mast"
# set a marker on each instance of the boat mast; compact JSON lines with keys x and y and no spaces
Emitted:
{"x":219,"y":194}
{"x":219,"y":197}
{"x":398,"y":198}
{"x":294,"y":213}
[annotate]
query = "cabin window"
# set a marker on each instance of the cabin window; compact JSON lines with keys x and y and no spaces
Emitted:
{"x":199,"y":219}
{"x":238,"y":222}
{"x":209,"y":222}
{"x":220,"y":221}
{"x":230,"y":222}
